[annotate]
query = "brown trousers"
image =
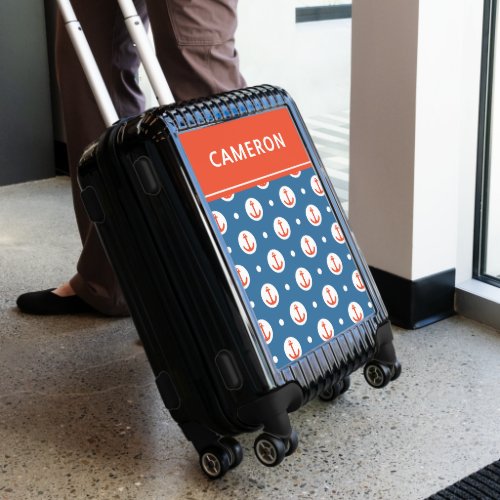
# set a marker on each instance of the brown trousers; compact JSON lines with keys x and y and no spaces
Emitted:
{"x":194,"y":42}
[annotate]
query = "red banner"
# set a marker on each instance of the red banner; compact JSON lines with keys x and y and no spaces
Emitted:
{"x":242,"y":153}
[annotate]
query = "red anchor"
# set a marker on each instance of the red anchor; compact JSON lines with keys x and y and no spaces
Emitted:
{"x":335,"y":267}
{"x":328,"y":333}
{"x":284,"y":232}
{"x":358,"y":283}
{"x":305,"y":283}
{"x":356,"y":316}
{"x":249,"y":246}
{"x":267,"y":336}
{"x":310,"y":251}
{"x":221,"y":228}
{"x":314,"y":219}
{"x":245,"y":281}
{"x":279,"y":265}
{"x":339,"y":237}
{"x":294,"y":354}
{"x":319,"y":189}
{"x":332,"y":300}
{"x":300,"y":318}
{"x":272,"y":301}
{"x":288,"y":202}
{"x":256,"y":214}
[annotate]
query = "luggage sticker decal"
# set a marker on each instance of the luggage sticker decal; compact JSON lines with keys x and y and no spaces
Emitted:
{"x":287,"y":247}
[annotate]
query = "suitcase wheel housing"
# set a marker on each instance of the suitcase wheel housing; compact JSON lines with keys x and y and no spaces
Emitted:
{"x":292,"y":443}
{"x":377,"y":374}
{"x":234,"y":449}
{"x":215,"y":461}
{"x":271,"y":450}
{"x":336,"y":390}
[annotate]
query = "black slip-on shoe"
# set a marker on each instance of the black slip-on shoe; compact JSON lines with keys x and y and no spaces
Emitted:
{"x":47,"y":303}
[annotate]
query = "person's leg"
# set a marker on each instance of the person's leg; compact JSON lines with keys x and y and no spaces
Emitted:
{"x":195,"y":45}
{"x":102,"y":23}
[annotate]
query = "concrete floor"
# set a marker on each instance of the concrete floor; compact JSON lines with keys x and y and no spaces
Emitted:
{"x":80,"y":416}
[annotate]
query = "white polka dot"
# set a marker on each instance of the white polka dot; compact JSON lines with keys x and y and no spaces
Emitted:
{"x":303,"y":191}
{"x":281,"y":322}
{"x":349,"y":256}
{"x":275,"y":359}
{"x":287,"y":287}
{"x":345,"y":288}
{"x":341,"y":321}
{"x":252,"y":303}
{"x":320,"y":271}
{"x":328,"y":209}
{"x":297,"y":221}
{"x":229,"y":249}
{"x":315,"y":304}
{"x":370,"y":305}
{"x":323,"y":239}
{"x":309,"y":339}
{"x":236,"y":215}
{"x":264,"y":235}
{"x":292,"y":253}
{"x":258,"y":269}
{"x":271,"y":203}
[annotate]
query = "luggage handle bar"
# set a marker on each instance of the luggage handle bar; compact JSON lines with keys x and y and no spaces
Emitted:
{"x":147,"y":54}
{"x":140,"y":38}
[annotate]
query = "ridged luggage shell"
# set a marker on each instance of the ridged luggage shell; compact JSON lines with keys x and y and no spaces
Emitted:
{"x":185,"y":295}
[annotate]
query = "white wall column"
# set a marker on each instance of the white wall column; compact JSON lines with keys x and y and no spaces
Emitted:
{"x":383,"y":83}
{"x":415,"y":79}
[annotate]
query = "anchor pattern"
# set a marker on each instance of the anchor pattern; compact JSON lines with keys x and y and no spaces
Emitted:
{"x":294,"y":263}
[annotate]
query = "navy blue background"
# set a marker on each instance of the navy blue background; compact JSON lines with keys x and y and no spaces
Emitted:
{"x":261,"y":273}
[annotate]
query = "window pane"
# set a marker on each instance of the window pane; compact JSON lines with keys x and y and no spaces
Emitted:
{"x":311,"y":59}
{"x":318,"y":3}
{"x":492,"y":219}
{"x":487,"y":249}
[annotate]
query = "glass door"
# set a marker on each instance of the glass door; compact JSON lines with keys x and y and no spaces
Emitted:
{"x":487,"y":237}
{"x":325,"y":26}
{"x":304,"y":46}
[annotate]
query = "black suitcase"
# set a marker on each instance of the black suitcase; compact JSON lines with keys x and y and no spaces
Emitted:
{"x":242,"y":277}
{"x":244,"y":315}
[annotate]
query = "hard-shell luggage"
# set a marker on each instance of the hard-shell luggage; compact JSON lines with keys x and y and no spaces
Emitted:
{"x":242,"y":277}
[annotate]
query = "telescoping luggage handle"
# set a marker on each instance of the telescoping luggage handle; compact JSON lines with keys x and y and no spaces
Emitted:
{"x":146,"y":53}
